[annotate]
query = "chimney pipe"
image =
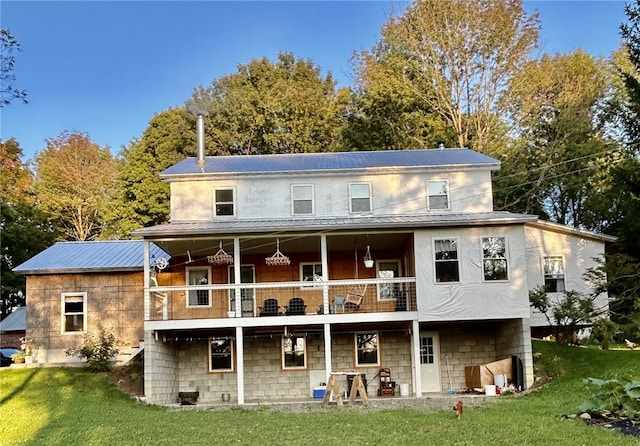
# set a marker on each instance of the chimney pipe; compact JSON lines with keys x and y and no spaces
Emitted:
{"x":200,"y":131}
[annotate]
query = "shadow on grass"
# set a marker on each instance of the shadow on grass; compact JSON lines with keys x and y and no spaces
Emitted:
{"x":19,"y":389}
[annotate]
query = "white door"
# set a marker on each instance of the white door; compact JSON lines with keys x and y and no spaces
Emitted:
{"x":430,"y":361}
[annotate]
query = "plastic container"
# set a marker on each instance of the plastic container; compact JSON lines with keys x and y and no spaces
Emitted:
{"x":404,"y":389}
{"x":318,"y":392}
{"x":489,"y":390}
{"x":500,"y":380}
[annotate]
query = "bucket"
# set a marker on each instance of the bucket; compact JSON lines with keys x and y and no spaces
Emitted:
{"x":226,"y":396}
{"x":404,"y":389}
{"x":500,"y":380}
{"x":489,"y":390}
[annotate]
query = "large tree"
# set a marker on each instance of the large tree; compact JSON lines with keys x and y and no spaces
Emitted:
{"x":285,"y":106}
{"x":74,"y":177}
{"x":454,"y":58}
{"x":8,"y":47}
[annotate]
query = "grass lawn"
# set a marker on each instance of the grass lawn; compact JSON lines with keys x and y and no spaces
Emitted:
{"x":75,"y":407}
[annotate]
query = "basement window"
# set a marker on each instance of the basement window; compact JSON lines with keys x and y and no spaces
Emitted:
{"x":221,"y":355}
{"x":294,"y":352}
{"x":367,"y":351}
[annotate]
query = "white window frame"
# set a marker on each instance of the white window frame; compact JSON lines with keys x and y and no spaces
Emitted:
{"x":316,"y":277}
{"x":387,"y":291}
{"x":560,"y":277}
{"x":231,"y":354}
{"x":357,"y":350}
{"x":285,"y":344}
{"x":188,"y":271}
{"x":306,"y":188}
{"x":447,"y":194}
{"x":352,"y":197}
{"x":64,"y":314}
{"x":232,"y":202}
{"x":436,"y":261}
{"x":505,"y":258}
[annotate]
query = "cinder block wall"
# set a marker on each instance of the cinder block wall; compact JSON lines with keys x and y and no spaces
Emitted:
{"x":160,"y":371}
{"x":515,"y":339}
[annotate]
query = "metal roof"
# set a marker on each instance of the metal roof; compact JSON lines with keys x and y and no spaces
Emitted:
{"x":71,"y":257}
{"x":332,"y":224}
{"x":331,"y":161}
{"x":16,"y":321}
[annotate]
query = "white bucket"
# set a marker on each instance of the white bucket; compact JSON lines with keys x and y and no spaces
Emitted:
{"x":500,"y":380}
{"x":489,"y":390}
{"x":404,"y":389}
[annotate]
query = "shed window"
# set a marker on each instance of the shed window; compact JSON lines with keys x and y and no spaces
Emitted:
{"x":74,"y":312}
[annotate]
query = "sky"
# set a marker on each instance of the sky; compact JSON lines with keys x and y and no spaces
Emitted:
{"x":105,"y":68}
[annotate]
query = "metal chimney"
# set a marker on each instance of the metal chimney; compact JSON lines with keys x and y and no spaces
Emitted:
{"x":200,"y":131}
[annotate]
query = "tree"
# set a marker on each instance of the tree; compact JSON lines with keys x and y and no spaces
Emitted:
{"x":8,"y":46}
{"x":74,"y":176}
{"x":24,"y":229}
{"x":455,"y":57}
{"x":271,"y":107}
{"x":140,"y":198}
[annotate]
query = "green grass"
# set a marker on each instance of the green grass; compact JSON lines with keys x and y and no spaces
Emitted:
{"x":75,"y":407}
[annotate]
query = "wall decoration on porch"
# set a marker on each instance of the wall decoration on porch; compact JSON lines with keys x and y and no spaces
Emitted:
{"x":160,"y":263}
{"x":277,"y":259}
{"x":220,"y":257}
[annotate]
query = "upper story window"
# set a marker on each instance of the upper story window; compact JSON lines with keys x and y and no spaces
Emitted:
{"x":74,"y":312}
{"x":367,"y":350}
{"x":438,"y":191}
{"x":310,"y":272}
{"x":302,"y":199}
{"x":221,"y":355}
{"x":294,"y":352}
{"x":446,"y":260}
{"x":225,"y":202}
{"x":554,"y":274}
{"x":198,"y":275}
{"x":388,"y":269}
{"x":360,"y":198}
{"x":494,"y":258}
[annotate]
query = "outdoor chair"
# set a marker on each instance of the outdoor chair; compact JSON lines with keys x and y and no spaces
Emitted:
{"x":270,"y":307}
{"x":296,"y":306}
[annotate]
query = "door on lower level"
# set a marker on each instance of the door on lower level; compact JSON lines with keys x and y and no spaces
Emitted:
{"x":430,"y":361}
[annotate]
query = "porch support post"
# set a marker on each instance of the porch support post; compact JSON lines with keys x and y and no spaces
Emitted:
{"x":147,"y":270}
{"x":327,"y":351}
{"x":240,"y":363}
{"x":325,"y":273}
{"x":237,"y":266}
{"x":415,"y":359}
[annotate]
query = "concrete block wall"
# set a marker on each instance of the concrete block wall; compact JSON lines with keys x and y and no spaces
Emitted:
{"x":160,"y":371}
{"x":515,"y":339}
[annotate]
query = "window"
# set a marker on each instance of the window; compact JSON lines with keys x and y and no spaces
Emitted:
{"x":438,"y":194}
{"x":221,"y":355}
{"x":554,"y":274}
{"x":426,"y":350}
{"x":198,"y":276}
{"x":446,"y":260}
{"x":494,"y":258}
{"x":360,"y":194}
{"x":310,"y":272}
{"x":294,"y":352}
{"x":224,"y":205}
{"x":367,"y":351}
{"x":74,"y":312}
{"x":388,"y":269}
{"x":302,"y":199}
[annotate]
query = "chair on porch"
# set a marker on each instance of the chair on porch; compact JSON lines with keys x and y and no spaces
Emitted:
{"x":270,"y":307}
{"x":338,"y":302}
{"x":355,"y":296}
{"x":296,"y":306}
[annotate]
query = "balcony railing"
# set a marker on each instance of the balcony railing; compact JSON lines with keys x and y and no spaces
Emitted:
{"x":281,"y":299}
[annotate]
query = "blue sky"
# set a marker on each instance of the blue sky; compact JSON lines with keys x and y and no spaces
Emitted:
{"x":105,"y":68}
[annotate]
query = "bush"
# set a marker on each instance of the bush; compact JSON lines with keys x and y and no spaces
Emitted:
{"x":98,"y":350}
{"x":617,"y":397}
{"x":604,"y":331}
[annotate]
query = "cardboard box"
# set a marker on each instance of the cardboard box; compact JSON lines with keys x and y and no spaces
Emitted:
{"x":477,"y":376}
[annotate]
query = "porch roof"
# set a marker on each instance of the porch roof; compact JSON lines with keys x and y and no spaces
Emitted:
{"x":330,"y":161}
{"x":369,"y":223}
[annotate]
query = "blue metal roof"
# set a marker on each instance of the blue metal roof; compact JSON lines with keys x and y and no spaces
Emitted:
{"x":331,"y":161}
{"x":68,"y":257}
{"x":16,"y":321}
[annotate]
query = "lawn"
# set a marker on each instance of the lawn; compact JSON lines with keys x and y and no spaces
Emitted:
{"x":75,"y":407}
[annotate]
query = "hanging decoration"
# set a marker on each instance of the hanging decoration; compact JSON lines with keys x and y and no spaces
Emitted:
{"x":368,"y":261}
{"x":160,"y":263}
{"x":277,"y":259}
{"x":220,"y":257}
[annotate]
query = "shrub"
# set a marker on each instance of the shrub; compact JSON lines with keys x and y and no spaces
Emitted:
{"x":604,"y":331}
{"x":618,"y":397}
{"x":98,"y":350}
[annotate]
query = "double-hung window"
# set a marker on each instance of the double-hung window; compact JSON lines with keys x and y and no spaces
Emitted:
{"x":367,"y":349}
{"x":446,"y":260}
{"x":198,"y":275}
{"x":220,"y":354}
{"x":294,"y":352}
{"x":494,"y":258}
{"x":74,"y":312}
{"x":224,"y":202}
{"x":302,"y":199}
{"x":388,"y":269}
{"x":438,"y":194}
{"x":310,"y":272}
{"x":554,"y":274}
{"x":360,"y":198}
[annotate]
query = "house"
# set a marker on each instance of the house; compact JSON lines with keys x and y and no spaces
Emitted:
{"x":276,"y":271}
{"x":12,"y":328}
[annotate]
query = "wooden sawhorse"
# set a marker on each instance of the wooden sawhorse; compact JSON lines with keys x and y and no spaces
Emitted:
{"x":357,"y":386}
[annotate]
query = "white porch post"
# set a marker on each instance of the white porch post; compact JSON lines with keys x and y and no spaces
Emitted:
{"x":325,"y":273}
{"x":415,"y":359}
{"x":240,"y":363}
{"x":146,"y":294}
{"x":327,"y":351}
{"x":237,"y":266}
